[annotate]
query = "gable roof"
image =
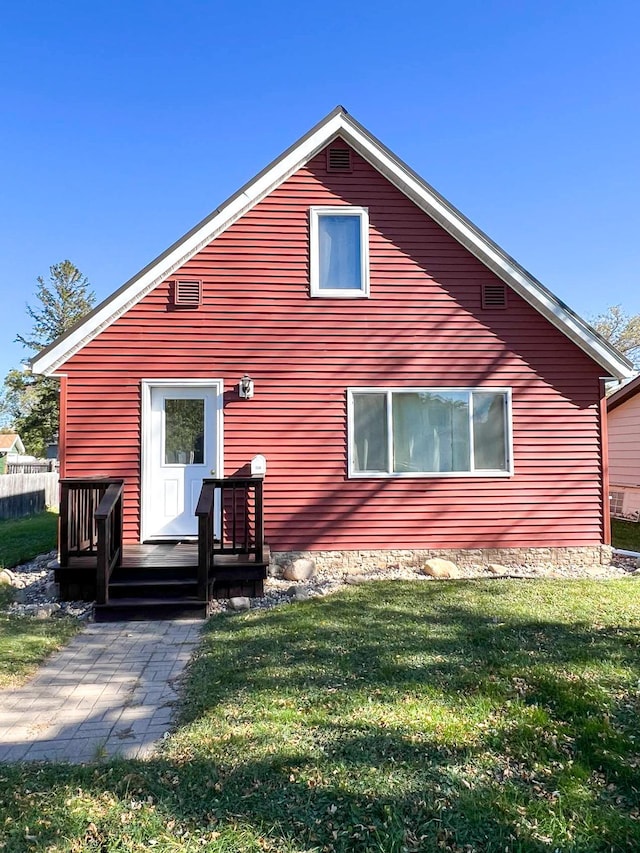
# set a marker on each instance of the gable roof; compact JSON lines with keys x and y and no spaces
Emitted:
{"x":337,"y":123}
{"x":630,"y":389}
{"x":9,"y":441}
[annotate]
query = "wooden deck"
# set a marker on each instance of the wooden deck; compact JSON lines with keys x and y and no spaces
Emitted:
{"x":161,"y":578}
{"x":168,"y":555}
{"x":149,"y":555}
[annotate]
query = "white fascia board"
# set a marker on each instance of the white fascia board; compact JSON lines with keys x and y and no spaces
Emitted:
{"x":143,"y":284}
{"x":485,"y":251}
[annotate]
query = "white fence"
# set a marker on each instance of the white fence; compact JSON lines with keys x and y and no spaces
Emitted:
{"x":32,"y":467}
{"x":24,"y":494}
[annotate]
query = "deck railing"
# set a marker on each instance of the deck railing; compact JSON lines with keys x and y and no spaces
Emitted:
{"x":108,"y":518}
{"x":79,"y":500}
{"x":205,"y":511}
{"x":230,"y":521}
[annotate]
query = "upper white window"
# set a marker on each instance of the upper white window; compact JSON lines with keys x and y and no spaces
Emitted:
{"x":339,"y":258}
{"x":429,"y":432}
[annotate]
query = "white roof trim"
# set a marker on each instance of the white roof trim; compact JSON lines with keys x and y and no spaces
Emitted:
{"x":336,"y":123}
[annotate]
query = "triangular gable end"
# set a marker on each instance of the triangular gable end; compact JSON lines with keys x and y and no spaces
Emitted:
{"x":337,"y":124}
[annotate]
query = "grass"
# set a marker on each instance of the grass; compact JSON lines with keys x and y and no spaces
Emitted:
{"x":25,"y":642}
{"x":21,"y":539}
{"x":471,"y":717}
{"x":625,"y":534}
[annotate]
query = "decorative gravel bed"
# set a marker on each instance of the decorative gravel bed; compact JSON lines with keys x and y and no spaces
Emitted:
{"x":279,"y":591}
{"x":36,"y":594}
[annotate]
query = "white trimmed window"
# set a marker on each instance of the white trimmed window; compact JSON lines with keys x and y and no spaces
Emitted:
{"x":429,"y":432}
{"x":617,"y":501}
{"x":339,"y":251}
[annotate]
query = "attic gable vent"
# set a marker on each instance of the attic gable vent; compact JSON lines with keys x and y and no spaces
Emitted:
{"x":187,"y":294}
{"x":338,"y":159}
{"x":494,"y":296}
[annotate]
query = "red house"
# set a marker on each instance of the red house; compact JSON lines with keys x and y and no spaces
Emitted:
{"x":413,"y":390}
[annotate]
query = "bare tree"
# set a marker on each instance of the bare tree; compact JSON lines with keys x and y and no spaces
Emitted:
{"x":620,"y":329}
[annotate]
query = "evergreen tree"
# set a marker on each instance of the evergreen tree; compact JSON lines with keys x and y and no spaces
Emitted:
{"x":31,"y":403}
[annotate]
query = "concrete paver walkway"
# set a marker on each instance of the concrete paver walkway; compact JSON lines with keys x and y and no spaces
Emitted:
{"x":110,"y":691}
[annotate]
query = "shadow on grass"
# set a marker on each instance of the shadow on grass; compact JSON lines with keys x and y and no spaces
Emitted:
{"x":388,"y":718}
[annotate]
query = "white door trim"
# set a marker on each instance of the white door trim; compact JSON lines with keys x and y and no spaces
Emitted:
{"x":146,"y":386}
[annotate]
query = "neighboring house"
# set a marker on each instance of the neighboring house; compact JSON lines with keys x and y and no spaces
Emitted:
{"x":623,"y":408}
{"x":11,"y":448}
{"x":412,"y":388}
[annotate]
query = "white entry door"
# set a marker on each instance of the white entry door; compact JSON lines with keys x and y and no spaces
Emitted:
{"x":183,"y":446}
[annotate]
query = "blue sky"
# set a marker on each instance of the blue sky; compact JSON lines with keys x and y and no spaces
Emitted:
{"x":122,"y":124}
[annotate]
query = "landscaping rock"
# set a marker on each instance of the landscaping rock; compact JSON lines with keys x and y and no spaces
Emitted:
{"x":52,"y":590}
{"x":497,"y":569}
{"x":301,"y":595}
{"x":439,"y":568}
{"x":240,"y":603}
{"x":37,"y":611}
{"x":595,"y":571}
{"x":356,"y":579}
{"x":356,"y":569}
{"x":44,"y":611}
{"x":298,"y":593}
{"x":301,"y":569}
{"x":6,"y":576}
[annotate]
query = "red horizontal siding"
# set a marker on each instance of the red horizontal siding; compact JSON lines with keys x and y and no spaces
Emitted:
{"x":423,"y":325}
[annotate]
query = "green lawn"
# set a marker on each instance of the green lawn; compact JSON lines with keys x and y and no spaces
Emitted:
{"x":471,"y":717}
{"x":24,"y":643}
{"x":24,"y":538}
{"x":625,"y":534}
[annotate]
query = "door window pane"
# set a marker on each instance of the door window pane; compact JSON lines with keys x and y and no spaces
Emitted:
{"x":184,"y":432}
{"x":489,"y":431}
{"x":430,"y":432}
{"x":369,"y":432}
{"x":339,"y":252}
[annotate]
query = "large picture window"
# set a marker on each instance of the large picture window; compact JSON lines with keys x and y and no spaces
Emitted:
{"x":429,"y":431}
{"x":339,"y":251}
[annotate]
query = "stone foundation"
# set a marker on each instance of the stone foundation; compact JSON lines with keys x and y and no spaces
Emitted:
{"x":359,"y":561}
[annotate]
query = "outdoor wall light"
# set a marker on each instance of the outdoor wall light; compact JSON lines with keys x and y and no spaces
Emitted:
{"x":245,"y":387}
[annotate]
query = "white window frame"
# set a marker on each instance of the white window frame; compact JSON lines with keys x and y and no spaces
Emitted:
{"x":388,"y":392}
{"x":616,"y":503}
{"x":314,"y":252}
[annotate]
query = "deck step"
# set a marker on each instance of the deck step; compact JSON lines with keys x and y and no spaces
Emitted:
{"x":154,"y":574}
{"x":146,"y":609}
{"x":156,"y":589}
{"x":160,"y":581}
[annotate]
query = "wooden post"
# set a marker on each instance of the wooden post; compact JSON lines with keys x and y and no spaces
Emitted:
{"x":102,"y":575}
{"x":63,"y":525}
{"x":259,"y":519}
